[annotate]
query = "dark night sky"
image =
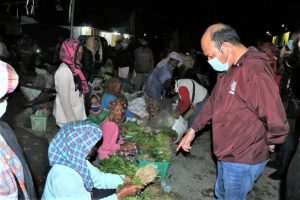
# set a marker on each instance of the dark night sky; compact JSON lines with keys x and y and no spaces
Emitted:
{"x":251,"y":18}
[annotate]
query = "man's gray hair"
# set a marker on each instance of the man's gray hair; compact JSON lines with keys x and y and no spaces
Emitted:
{"x":225,"y":33}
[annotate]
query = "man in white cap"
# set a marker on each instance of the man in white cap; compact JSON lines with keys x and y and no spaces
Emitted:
{"x":159,"y":81}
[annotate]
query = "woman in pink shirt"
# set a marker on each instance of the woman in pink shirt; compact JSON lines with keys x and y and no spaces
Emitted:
{"x":112,"y":138}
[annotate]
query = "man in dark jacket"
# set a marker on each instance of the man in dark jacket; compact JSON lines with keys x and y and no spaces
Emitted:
{"x":88,"y":59}
{"x":245,"y":108}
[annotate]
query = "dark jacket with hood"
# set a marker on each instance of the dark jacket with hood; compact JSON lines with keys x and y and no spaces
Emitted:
{"x":246,"y":111}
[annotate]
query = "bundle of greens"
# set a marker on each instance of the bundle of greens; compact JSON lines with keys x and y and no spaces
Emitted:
{"x":132,"y":129}
{"x":162,"y":151}
{"x":153,"y":192}
{"x":144,"y":176}
{"x":169,"y":132}
{"x":117,"y":165}
{"x":142,"y":196}
{"x":153,"y":147}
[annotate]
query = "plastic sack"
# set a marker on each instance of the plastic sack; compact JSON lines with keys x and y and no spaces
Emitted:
{"x":30,"y":93}
{"x":180,"y":126}
{"x":138,"y":107}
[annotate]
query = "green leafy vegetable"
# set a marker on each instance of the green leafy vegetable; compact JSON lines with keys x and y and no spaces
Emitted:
{"x":117,"y":165}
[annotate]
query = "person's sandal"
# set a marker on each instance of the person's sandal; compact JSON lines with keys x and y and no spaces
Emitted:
{"x":208,"y":192}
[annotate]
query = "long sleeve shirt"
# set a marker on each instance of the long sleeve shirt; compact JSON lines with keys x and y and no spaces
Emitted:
{"x":155,"y":87}
{"x":246,"y":111}
{"x":185,"y":89}
{"x":69,"y":105}
{"x":112,"y":139}
{"x":64,"y":183}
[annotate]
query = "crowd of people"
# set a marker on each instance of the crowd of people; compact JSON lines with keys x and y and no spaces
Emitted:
{"x":252,"y":109}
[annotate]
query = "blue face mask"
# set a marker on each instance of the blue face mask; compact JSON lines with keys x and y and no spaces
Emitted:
{"x":96,"y":109}
{"x":290,"y":44}
{"x":217,"y":65}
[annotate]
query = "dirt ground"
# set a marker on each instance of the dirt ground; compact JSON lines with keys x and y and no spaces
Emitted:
{"x":188,"y":175}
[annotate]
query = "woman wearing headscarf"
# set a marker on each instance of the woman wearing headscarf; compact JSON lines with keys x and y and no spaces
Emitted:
{"x":72,"y":176}
{"x":70,"y":84}
{"x":159,"y":81}
{"x":112,"y":128}
{"x":14,"y":170}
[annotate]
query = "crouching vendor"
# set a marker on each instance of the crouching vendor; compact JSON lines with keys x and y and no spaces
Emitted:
{"x":72,"y":176}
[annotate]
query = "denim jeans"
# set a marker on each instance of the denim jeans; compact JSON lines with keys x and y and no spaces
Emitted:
{"x":235,"y":180}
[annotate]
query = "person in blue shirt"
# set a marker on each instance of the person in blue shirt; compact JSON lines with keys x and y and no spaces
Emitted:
{"x":159,"y":81}
{"x":113,"y":89}
{"x":72,"y":176}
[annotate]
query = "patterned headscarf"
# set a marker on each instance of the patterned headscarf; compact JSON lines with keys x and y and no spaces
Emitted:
{"x":71,"y":146}
{"x":112,"y":106}
{"x":68,"y":54}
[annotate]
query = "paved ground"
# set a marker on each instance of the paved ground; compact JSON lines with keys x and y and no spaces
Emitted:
{"x":187,"y":176}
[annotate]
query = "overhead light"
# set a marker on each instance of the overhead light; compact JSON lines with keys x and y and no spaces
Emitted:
{"x":268,"y":33}
{"x":145,"y":34}
{"x":283,"y":26}
{"x":85,"y":30}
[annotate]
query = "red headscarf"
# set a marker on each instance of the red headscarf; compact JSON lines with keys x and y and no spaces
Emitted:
{"x":68,"y":54}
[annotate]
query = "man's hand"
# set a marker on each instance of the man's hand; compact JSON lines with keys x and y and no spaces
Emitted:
{"x":185,"y":142}
{"x":272,"y":147}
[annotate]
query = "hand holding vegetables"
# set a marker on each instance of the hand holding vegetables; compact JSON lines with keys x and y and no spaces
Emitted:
{"x":129,"y":190}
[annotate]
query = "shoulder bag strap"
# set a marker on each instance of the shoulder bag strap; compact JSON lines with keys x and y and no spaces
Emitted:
{"x":193,"y":95}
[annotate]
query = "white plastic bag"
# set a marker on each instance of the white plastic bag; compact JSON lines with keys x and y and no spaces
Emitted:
{"x":180,"y":126}
{"x":138,"y":107}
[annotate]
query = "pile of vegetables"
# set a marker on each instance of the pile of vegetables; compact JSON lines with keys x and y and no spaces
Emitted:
{"x":153,"y":147}
{"x":117,"y":165}
{"x":168,"y":131}
{"x":132,"y":129}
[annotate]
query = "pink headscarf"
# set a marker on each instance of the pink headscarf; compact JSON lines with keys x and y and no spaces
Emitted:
{"x":68,"y":54}
{"x":9,"y":79}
